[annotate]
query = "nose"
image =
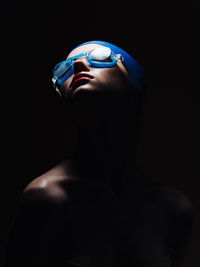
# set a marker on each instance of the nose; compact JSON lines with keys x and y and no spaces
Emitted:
{"x":80,"y":65}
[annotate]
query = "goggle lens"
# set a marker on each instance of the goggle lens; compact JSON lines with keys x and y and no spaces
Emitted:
{"x":62,"y":68}
{"x":102,"y":54}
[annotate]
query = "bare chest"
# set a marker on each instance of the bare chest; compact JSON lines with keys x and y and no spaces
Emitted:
{"x":102,"y":235}
{"x":109,"y":233}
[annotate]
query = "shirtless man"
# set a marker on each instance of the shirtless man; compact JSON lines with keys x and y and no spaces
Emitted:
{"x":96,"y":208}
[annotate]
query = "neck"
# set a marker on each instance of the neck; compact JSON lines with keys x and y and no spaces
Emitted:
{"x":103,"y":147}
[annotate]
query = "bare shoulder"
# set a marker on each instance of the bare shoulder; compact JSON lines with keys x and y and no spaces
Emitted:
{"x":169,"y":203}
{"x":174,"y":200}
{"x":58,"y":186}
{"x":158,"y":197}
{"x":50,"y":187}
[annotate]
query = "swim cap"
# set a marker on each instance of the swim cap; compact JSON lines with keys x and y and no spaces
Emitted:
{"x":133,"y":66}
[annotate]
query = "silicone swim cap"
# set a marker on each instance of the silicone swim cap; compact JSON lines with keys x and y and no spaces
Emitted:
{"x":133,"y":66}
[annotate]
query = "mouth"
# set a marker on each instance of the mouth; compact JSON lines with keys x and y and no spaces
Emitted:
{"x":80,"y":79}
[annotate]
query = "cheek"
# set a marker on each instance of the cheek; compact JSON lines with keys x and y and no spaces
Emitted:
{"x":112,"y":78}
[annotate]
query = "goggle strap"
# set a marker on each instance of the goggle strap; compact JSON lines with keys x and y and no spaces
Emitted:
{"x":119,"y":58}
{"x":58,"y":91}
{"x":54,"y":81}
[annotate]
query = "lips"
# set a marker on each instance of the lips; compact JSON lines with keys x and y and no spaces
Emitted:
{"x":80,"y":79}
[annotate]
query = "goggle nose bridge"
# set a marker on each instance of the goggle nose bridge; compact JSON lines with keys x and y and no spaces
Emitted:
{"x":83,"y":59}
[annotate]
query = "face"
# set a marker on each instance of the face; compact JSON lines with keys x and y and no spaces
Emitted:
{"x":86,"y":78}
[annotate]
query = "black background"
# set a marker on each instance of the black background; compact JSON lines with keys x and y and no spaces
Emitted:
{"x":163,"y":37}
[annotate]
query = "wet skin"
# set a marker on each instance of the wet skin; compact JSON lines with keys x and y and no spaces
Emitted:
{"x":93,"y":209}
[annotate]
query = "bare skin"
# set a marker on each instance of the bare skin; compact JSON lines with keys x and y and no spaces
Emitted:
{"x":96,"y":209}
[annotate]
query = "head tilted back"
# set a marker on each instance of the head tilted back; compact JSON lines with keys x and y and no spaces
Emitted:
{"x":133,"y":66}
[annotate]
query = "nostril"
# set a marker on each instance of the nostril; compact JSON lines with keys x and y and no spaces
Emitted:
{"x":80,"y":66}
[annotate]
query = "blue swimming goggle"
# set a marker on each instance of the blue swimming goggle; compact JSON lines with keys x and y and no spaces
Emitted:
{"x":101,"y":57}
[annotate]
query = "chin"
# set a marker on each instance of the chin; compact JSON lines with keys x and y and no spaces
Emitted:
{"x":83,"y":90}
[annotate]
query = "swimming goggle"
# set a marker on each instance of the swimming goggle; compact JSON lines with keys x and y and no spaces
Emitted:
{"x":101,"y":57}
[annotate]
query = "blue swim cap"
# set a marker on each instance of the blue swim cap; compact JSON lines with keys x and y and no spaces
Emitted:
{"x":133,"y":66}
